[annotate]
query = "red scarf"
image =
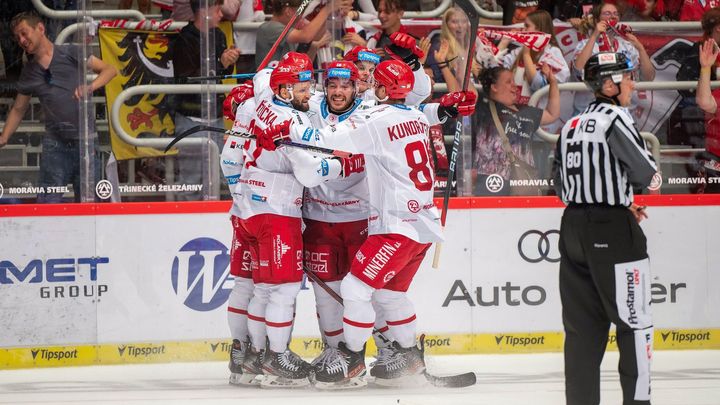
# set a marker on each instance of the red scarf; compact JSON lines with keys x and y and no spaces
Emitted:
{"x":536,"y":41}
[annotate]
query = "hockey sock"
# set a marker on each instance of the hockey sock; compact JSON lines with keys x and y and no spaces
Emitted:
{"x":358,"y":316}
{"x":238,"y":301}
{"x":399,"y":314}
{"x":256,"y":315}
{"x":279,"y":314}
{"x":329,"y":313}
{"x":381,"y":333}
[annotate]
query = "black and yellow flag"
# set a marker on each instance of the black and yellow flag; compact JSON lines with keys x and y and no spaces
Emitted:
{"x":141,"y":57}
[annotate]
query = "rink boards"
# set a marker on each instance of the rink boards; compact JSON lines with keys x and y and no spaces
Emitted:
{"x":118,"y":283}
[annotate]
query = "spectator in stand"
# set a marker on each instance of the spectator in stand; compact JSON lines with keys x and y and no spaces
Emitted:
{"x":526,"y":66}
{"x":250,"y":11}
{"x":503,"y":131}
{"x":181,"y":10}
{"x":143,"y":5}
{"x":390,"y":13}
{"x":312,"y":32}
{"x":693,"y":10}
{"x":566,"y":10}
{"x":525,"y":63}
{"x":641,"y":10}
{"x":186,"y":61}
{"x":165,"y":6}
{"x":11,"y":50}
{"x":707,"y":100}
{"x":687,"y":122}
{"x":608,"y":36}
{"x":230,"y":9}
{"x":52,"y":75}
{"x":515,"y":11}
{"x":448,"y":50}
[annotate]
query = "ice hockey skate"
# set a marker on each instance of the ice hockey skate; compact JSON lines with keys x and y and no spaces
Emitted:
{"x":237,"y":356}
{"x":284,"y":370}
{"x":250,"y":366}
{"x":341,"y":369}
{"x":327,"y":354}
{"x":397,"y":366}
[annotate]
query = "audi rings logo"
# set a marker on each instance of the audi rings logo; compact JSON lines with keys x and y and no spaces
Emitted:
{"x":535,"y":246}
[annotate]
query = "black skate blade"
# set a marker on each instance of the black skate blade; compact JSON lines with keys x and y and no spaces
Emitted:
{"x":452,"y":381}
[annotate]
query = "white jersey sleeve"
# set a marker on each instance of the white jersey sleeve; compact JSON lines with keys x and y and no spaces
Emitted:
{"x":431,"y":113}
{"x":421,"y":90}
{"x":272,"y":182}
{"x":312,"y":170}
{"x":394,"y":140}
{"x":261,"y":85}
{"x":232,"y":157}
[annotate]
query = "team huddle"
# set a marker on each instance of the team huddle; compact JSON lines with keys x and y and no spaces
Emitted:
{"x":358,"y":219}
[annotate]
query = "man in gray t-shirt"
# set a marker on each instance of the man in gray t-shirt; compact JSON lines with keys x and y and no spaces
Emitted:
{"x":267,"y":34}
{"x":310,"y":33}
{"x":52,"y":75}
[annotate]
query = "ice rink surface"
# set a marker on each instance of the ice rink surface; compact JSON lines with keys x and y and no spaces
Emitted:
{"x":679,"y":378}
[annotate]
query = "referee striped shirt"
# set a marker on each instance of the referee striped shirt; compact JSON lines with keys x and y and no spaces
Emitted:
{"x":600,"y":157}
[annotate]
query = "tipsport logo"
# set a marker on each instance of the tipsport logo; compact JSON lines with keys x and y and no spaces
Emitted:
{"x":201,"y":274}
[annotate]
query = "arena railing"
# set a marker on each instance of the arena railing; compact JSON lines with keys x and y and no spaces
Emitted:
{"x":649,"y":137}
{"x":161,"y":143}
{"x":46,"y":11}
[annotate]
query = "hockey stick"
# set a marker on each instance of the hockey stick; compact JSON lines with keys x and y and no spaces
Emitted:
{"x":311,"y":148}
{"x":221,"y":77}
{"x":474,"y":17}
{"x":233,"y":76}
{"x":283,"y":34}
{"x":450,"y":381}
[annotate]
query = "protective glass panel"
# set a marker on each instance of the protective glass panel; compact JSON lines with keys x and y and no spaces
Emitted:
{"x":48,"y":144}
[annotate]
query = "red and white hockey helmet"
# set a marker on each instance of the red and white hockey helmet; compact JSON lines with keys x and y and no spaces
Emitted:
{"x":341,"y":69}
{"x":396,"y":76}
{"x":360,"y":53}
{"x":292,"y":69}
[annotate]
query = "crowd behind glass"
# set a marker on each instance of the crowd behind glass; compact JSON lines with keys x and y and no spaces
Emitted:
{"x":521,"y":72}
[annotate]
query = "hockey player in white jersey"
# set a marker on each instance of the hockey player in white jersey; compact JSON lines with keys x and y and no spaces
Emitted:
{"x":336,"y":212}
{"x":403,"y":223}
{"x":239,"y":107}
{"x":365,"y":60}
{"x":271,"y":188}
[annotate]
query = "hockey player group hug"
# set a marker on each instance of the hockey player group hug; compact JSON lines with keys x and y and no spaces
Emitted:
{"x":361,"y":219}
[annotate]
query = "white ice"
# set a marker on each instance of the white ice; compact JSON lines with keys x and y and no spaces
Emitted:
{"x":679,"y":378}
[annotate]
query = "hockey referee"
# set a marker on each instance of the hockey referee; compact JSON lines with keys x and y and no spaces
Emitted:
{"x":604,"y":266}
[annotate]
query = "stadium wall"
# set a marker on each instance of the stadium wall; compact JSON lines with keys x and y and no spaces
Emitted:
{"x":144,"y":282}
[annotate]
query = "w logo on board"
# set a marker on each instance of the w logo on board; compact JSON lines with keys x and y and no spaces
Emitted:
{"x":201,"y":274}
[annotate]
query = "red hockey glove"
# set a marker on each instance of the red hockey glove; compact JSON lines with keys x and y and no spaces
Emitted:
{"x":404,"y":48}
{"x":237,"y":96}
{"x":457,"y":102}
{"x":467,"y":105}
{"x":406,"y":41}
{"x":267,"y":138}
{"x":451,"y":99}
{"x":353,"y":164}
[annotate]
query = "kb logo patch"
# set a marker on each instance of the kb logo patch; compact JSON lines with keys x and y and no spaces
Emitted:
{"x":535,"y":246}
{"x":200,"y":274}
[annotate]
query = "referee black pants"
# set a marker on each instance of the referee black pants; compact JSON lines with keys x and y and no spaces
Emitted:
{"x":604,"y":278}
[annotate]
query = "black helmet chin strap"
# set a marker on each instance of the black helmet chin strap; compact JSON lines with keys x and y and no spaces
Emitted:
{"x":610,"y":100}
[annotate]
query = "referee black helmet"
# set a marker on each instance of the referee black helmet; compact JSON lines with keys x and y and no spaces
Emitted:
{"x":606,"y":65}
